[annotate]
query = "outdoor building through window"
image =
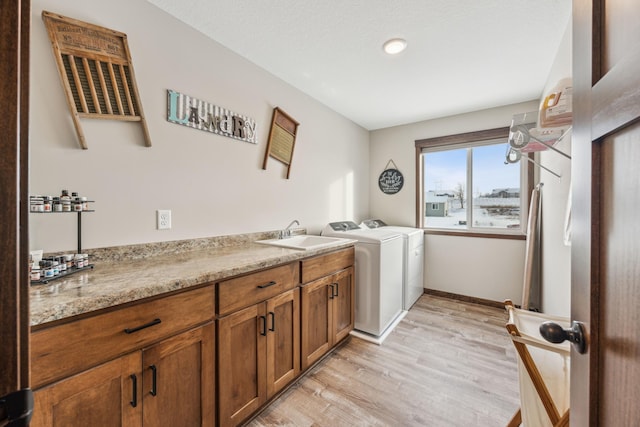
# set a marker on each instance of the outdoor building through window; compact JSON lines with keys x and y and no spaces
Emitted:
{"x":467,"y":186}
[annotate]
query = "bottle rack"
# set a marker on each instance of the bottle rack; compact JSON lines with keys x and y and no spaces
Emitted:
{"x":45,"y":280}
{"x":79,"y":236}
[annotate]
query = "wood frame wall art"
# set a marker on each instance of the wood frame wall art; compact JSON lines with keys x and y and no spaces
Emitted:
{"x":96,"y":72}
{"x":282,"y":139}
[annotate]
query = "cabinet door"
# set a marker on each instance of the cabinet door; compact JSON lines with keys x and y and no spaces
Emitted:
{"x":241,"y":364}
{"x":343,"y":304}
{"x":107,"y":395}
{"x":283,"y":340}
{"x":316,"y":318}
{"x":178,"y":380}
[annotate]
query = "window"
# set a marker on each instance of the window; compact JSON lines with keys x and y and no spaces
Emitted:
{"x":465,"y":185}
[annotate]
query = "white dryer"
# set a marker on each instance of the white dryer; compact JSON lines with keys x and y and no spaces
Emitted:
{"x":378,"y":270}
{"x":413,"y":259}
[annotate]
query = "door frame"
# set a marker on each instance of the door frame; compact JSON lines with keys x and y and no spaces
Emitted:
{"x":15,"y":18}
{"x":584,"y":256}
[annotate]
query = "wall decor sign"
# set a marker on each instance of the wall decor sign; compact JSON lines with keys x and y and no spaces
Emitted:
{"x":194,"y":113}
{"x":391,"y":179}
{"x":96,"y":72}
{"x":282,"y":139}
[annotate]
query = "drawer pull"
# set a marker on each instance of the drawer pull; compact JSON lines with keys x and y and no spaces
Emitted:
{"x":146,"y":325}
{"x":273,"y":321}
{"x":266,"y":285}
{"x":134,"y":394}
{"x":154,"y":379}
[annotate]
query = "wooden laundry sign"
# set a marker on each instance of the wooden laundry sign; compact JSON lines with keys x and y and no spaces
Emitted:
{"x":96,"y":72}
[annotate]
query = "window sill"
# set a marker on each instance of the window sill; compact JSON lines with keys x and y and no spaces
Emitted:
{"x":466,"y":233}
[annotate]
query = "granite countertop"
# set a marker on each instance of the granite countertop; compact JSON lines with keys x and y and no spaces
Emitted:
{"x":119,"y":281}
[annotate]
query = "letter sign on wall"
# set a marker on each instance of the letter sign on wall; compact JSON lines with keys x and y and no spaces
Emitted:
{"x":195,"y":113}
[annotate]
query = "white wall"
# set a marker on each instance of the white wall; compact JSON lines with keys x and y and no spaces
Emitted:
{"x":214,"y":185}
{"x":478,"y":267}
{"x":556,"y":256}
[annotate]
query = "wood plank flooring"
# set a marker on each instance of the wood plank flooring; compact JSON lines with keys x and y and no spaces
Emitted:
{"x":448,"y":363}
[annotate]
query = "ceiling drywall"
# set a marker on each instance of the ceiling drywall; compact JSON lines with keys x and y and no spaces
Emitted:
{"x":462,"y":55}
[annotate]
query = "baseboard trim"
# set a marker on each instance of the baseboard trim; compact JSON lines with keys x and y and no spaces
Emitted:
{"x":465,"y":298}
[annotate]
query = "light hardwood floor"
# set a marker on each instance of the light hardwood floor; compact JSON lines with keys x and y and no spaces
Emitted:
{"x":448,"y":363}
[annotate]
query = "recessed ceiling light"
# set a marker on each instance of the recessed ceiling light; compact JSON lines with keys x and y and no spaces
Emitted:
{"x":394,"y":46}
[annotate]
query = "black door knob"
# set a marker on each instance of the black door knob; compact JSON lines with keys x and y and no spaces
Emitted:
{"x":556,"y":334}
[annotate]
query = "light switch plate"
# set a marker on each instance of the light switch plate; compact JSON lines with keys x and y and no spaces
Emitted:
{"x":163,"y":219}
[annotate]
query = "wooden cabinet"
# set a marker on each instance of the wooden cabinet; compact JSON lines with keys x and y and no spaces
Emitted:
{"x":178,"y":380}
{"x":107,"y":395}
{"x":327,"y":304}
{"x":168,"y":379}
{"x":283,"y":340}
{"x":258,"y":346}
{"x":154,"y":362}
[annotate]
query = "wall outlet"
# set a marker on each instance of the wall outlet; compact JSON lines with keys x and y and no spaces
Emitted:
{"x":163,"y":218}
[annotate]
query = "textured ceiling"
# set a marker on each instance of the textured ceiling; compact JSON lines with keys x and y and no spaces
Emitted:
{"x":462,"y":55}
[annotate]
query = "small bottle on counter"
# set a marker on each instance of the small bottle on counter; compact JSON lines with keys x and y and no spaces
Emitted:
{"x":69,"y":260}
{"x":36,"y":204}
{"x":62,"y":264}
{"x":46,"y":269}
{"x":47,"y":202}
{"x":35,"y":273}
{"x":79,"y":261}
{"x":65,"y":199}
{"x":57,"y":205}
{"x":56,"y":267}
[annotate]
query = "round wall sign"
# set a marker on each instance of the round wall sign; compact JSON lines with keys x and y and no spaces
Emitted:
{"x":390,"y":181}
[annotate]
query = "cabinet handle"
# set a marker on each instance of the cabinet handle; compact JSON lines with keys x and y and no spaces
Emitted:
{"x":331,"y":294}
{"x":266,"y":285}
{"x":336,"y":289}
{"x":146,"y":325}
{"x":154,"y":380}
{"x":263,"y":332}
{"x":273,"y":321}
{"x":134,"y":394}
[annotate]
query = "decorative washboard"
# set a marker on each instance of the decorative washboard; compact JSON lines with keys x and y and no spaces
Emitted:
{"x":96,"y":72}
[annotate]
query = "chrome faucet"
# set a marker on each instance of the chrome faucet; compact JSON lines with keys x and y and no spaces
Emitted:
{"x":286,"y":233}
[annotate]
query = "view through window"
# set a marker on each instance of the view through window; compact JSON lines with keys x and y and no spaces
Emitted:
{"x":469,"y":187}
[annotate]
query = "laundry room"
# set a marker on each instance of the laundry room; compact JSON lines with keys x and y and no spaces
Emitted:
{"x":202,"y":176}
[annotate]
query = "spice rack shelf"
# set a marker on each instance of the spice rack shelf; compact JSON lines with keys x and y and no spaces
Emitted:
{"x":79,"y":235}
{"x":62,"y":274}
{"x":79,"y":219}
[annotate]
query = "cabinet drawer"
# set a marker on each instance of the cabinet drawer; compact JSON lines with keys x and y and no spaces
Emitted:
{"x":63,"y":350}
{"x":234,"y":294}
{"x":322,"y":265}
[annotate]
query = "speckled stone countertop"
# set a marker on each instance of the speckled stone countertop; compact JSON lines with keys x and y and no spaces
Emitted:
{"x":132,"y":274}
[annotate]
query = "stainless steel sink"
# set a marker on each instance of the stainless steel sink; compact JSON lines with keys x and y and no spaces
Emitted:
{"x":305,"y":242}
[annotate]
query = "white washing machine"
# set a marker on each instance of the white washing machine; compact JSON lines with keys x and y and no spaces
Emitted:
{"x":378,"y":270}
{"x":413,"y":259}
